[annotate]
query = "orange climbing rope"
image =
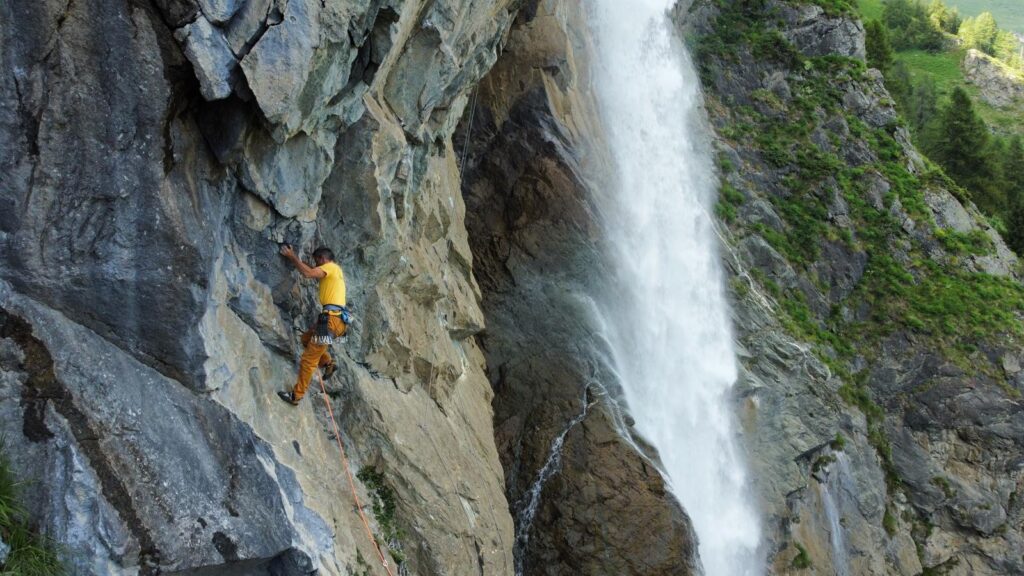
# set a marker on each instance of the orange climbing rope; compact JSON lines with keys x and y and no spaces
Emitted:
{"x":348,"y":473}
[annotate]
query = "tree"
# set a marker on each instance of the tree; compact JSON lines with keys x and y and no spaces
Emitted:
{"x":1008,"y":49}
{"x":917,"y":101}
{"x":897,"y":14}
{"x":910,"y":26}
{"x":1015,"y":229}
{"x":944,"y":18}
{"x":980,"y":33}
{"x":1013,"y":171}
{"x":1013,"y":178}
{"x":900,"y":85}
{"x":923,"y":105}
{"x":960,"y":144}
{"x":879,"y":49}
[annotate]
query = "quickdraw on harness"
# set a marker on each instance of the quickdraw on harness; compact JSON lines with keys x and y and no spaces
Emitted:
{"x":323,"y":334}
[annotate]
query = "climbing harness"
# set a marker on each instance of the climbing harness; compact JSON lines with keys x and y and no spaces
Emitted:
{"x":346,"y":314}
{"x":348,"y":473}
{"x":322,"y":333}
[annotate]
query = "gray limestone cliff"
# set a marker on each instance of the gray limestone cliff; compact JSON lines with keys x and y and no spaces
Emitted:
{"x":154,"y":154}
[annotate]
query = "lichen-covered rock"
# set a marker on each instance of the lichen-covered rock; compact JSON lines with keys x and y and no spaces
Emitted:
{"x":814,"y":33}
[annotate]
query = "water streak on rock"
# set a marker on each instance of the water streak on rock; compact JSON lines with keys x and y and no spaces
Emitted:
{"x":832,"y":492}
{"x":527,"y":505}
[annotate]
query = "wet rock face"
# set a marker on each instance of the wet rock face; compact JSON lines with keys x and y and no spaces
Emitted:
{"x":927,"y":475}
{"x":155,"y":154}
{"x":533,"y":159}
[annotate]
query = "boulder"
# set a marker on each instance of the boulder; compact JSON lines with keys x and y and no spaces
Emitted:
{"x":211,"y":58}
{"x":998,"y":84}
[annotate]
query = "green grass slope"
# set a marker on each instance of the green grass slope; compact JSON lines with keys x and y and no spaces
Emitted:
{"x":944,"y":68}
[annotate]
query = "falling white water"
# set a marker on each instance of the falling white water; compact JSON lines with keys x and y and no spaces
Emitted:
{"x":670,"y":325}
{"x":836,"y":487}
{"x":526,"y":508}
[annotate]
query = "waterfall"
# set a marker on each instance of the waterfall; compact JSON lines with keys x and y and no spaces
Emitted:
{"x":670,"y":333}
{"x":833,"y":491}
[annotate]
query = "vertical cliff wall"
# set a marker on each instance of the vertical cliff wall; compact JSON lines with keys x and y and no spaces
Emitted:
{"x":877,"y":310}
{"x":153,"y":156}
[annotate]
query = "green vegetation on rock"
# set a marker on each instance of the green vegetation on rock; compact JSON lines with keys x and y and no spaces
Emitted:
{"x":914,"y":285}
{"x":31,"y":554}
{"x":384,"y":510}
{"x":802,"y":560}
{"x":962,"y":133}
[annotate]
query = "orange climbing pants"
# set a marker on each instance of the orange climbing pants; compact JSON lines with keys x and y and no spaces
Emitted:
{"x":315,"y":355}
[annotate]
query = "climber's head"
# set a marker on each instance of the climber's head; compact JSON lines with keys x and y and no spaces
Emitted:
{"x":323,"y":255}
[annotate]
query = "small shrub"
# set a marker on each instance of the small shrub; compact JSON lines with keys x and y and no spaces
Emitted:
{"x":889,"y":523}
{"x":944,"y":485}
{"x":839,"y":444}
{"x":384,"y":510}
{"x":31,"y":554}
{"x":823,"y":462}
{"x":975,"y":242}
{"x":802,"y":560}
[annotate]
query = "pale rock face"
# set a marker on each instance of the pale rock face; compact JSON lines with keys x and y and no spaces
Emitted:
{"x":998,"y":84}
{"x":210,"y":56}
{"x":219,"y":11}
{"x":147,"y":320}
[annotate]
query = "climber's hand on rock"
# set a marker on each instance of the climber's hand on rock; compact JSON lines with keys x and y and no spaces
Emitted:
{"x":286,"y":251}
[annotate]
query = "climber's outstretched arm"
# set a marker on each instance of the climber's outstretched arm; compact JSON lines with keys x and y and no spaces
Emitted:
{"x":306,"y":270}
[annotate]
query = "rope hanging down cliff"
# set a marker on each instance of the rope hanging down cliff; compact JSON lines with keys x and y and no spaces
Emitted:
{"x":348,"y":474}
{"x":469,"y":134}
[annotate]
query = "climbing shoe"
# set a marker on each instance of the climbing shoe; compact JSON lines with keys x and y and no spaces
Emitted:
{"x":329,"y":370}
{"x":288,"y":397}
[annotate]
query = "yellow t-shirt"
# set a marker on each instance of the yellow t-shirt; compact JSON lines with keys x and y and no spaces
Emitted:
{"x":332,"y":286}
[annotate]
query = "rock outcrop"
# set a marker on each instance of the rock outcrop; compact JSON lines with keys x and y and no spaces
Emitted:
{"x":154,"y":155}
{"x":882,"y":409}
{"x":535,"y":159}
{"x":997,"y":84}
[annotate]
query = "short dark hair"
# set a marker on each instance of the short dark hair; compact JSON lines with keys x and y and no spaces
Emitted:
{"x":323,"y":252}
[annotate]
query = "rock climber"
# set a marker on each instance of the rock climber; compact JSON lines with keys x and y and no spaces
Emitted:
{"x":331,"y":323}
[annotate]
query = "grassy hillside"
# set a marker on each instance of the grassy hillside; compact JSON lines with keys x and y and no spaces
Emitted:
{"x":1009,"y":13}
{"x":870,"y":9}
{"x":944,"y":69}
